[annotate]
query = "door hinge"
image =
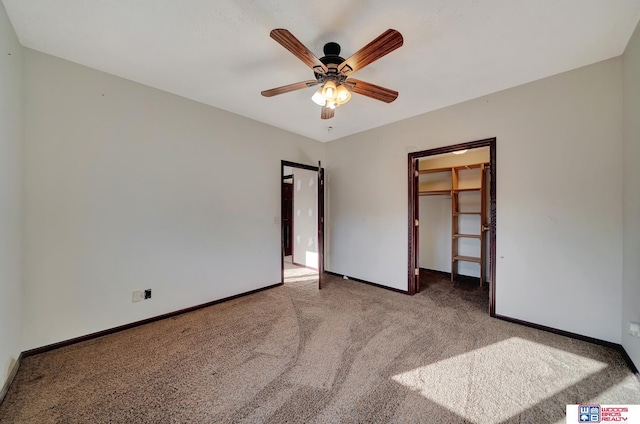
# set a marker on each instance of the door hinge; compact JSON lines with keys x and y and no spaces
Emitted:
{"x":416,"y":174}
{"x":417,"y":271}
{"x":417,"y":223}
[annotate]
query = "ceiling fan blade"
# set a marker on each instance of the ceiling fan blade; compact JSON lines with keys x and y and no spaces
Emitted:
{"x":288,"y":88}
{"x":327,"y":113}
{"x":387,"y":42}
{"x":371,"y":90}
{"x":291,"y":43}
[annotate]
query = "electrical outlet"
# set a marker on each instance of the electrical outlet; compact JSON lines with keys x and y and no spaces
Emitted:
{"x":137,"y":296}
{"x":147,"y":294}
{"x":634,"y":329}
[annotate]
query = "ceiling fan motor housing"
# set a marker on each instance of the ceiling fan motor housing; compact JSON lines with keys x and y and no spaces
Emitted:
{"x":331,"y":59}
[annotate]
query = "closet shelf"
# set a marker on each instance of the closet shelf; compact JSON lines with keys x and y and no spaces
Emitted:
{"x":466,"y":259}
{"x":435,"y":192}
{"x":467,"y":213}
{"x":476,"y":236}
{"x":458,"y":190}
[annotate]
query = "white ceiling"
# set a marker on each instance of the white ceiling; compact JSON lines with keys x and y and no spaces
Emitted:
{"x":220,"y":53}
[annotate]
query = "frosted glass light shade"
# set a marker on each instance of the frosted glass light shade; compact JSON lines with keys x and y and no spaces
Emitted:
{"x":329,"y":90}
{"x":343,"y":95}
{"x":318,"y":98}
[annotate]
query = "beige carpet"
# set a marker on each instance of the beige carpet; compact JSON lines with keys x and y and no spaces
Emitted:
{"x":348,"y":353}
{"x":298,"y":274}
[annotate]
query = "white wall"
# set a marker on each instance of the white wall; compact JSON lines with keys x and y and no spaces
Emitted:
{"x":305,"y":217}
{"x":130,"y":188}
{"x":559,"y":196}
{"x":631,"y":184}
{"x":11,"y":138}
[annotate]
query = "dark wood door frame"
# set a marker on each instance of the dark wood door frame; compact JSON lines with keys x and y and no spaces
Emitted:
{"x":320,"y":212}
{"x":413,"y":212}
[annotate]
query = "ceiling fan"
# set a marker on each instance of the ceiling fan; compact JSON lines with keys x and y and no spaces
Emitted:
{"x":332,"y":72}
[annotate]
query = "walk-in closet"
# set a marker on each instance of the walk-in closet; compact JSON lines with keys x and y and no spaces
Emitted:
{"x":453,"y":208}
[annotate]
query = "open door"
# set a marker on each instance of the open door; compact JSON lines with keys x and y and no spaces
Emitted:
{"x":320,"y":224}
{"x":415,"y":228}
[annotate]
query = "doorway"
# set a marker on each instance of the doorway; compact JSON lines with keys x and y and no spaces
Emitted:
{"x":302,"y":230}
{"x":457,"y":184}
{"x":287,"y":214}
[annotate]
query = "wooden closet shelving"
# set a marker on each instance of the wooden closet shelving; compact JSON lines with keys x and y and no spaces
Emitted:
{"x":454,"y":192}
{"x":435,"y":192}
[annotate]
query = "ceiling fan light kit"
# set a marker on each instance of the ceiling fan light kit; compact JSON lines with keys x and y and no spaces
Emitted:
{"x":329,"y":90}
{"x":332,"y":71}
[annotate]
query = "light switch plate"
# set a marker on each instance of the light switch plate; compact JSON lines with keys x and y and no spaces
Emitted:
{"x":634,"y":329}
{"x":137,"y":296}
